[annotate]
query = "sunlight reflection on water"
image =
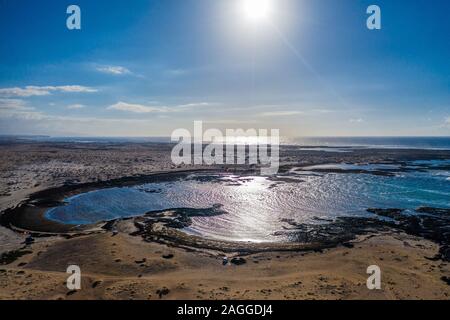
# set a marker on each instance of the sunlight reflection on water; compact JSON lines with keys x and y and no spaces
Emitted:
{"x":256,"y":206}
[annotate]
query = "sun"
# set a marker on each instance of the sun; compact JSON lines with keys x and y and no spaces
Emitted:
{"x":257,"y":10}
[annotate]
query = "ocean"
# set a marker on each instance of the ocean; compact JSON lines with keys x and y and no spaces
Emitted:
{"x":437,"y":143}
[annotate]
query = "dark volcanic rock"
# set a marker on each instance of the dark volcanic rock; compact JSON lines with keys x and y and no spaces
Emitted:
{"x":389,"y":213}
{"x":444,"y":253}
{"x":434,"y":211}
{"x":179,"y":218}
{"x":140,"y":261}
{"x":47,"y":203}
{"x":432,"y":225}
{"x":71,"y":292}
{"x":238,"y":261}
{"x":11,"y":256}
{"x":342,"y":230}
{"x":446,"y":280}
{"x":162,"y":292}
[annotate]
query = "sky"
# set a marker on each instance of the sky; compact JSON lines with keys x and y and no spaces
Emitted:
{"x":146,"y":68}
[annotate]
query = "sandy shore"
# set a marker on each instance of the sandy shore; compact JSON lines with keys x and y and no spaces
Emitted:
{"x":123,"y":266}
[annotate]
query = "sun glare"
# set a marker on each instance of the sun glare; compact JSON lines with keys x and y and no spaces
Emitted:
{"x":257,"y":10}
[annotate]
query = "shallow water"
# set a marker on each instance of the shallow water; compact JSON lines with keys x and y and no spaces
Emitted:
{"x":256,"y":206}
{"x":328,"y":149}
{"x":348,"y":166}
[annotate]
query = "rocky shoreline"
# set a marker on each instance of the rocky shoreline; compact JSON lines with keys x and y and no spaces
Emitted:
{"x":165,"y":226}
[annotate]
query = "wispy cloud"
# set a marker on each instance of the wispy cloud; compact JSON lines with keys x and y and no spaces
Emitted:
{"x":30,"y":91}
{"x":76,"y":106}
{"x":13,"y":104}
{"x":17,"y":108}
{"x":136,"y":108}
{"x":196,"y":105}
{"x":231,"y":121}
{"x":141,"y":108}
{"x":176,"y":72}
{"x":281,"y":113}
{"x":114,"y":70}
{"x":357,"y":120}
{"x":322,"y":111}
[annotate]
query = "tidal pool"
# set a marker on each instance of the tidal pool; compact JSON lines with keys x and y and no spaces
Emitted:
{"x":258,"y":206}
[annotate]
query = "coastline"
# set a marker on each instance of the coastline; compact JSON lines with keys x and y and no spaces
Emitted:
{"x":189,"y":264}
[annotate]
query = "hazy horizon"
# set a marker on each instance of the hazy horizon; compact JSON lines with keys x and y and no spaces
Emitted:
{"x":333,"y":143}
{"x":168,"y":136}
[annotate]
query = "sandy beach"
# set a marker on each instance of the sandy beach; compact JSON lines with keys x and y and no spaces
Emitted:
{"x":122,"y":263}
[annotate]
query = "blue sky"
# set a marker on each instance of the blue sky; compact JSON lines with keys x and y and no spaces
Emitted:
{"x":145,"y":68}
